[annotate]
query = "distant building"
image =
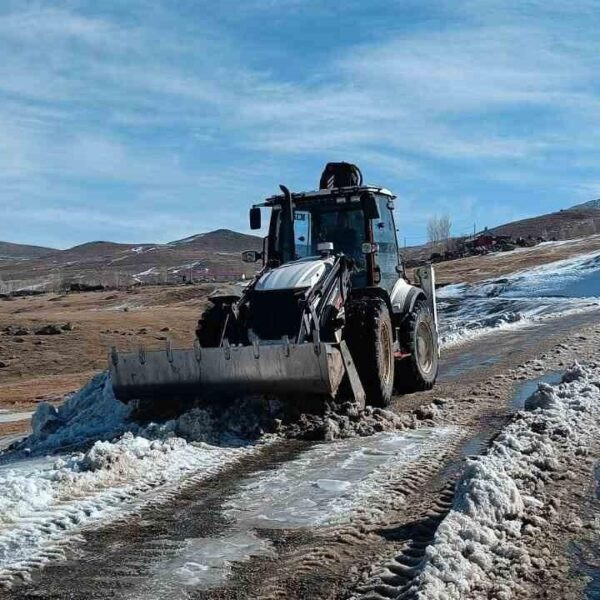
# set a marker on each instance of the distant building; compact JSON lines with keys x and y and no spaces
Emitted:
{"x":486,"y":240}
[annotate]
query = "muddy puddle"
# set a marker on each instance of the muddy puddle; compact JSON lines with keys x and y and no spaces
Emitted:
{"x":528,"y":387}
{"x":478,"y":443}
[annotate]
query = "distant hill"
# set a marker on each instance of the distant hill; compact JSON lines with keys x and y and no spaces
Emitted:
{"x":216,"y":254}
{"x":592,"y":204}
{"x":212,"y":255}
{"x":12,"y":251}
{"x":578,"y":221}
{"x":219,"y":240}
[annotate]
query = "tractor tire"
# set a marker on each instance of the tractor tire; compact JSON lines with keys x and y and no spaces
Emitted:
{"x":369,"y":335}
{"x":417,"y":372}
{"x":210,"y":326}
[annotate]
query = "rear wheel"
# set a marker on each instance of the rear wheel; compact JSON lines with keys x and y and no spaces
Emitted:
{"x":368,"y":333}
{"x":418,"y":337}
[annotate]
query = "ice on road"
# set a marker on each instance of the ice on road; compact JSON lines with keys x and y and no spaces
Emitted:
{"x":328,"y":482}
{"x":326,"y":485}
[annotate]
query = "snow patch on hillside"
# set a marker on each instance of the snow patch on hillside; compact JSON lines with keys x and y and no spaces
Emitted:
{"x":560,"y":288}
{"x":187,"y":240}
{"x":481,"y":549}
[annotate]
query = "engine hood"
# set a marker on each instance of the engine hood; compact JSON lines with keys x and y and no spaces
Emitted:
{"x":304,"y":273}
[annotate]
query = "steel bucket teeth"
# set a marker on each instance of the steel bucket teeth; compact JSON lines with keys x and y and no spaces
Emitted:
{"x":270,"y":368}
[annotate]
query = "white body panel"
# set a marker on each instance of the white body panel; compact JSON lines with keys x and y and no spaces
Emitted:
{"x":303,"y":273}
{"x":399,"y":295}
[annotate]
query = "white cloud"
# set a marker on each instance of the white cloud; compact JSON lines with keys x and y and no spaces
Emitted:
{"x":168,"y":107}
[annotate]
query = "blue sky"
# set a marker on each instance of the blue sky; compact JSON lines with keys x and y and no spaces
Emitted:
{"x":146,"y":121}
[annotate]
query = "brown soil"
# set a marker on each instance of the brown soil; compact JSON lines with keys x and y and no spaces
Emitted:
{"x":45,"y":367}
{"x":16,"y":428}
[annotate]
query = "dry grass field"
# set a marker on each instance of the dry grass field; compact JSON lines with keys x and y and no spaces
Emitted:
{"x":45,"y":367}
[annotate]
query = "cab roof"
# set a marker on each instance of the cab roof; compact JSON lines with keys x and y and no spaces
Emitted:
{"x":329,"y":193}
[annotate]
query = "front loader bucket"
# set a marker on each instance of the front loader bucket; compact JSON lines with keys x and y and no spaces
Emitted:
{"x":266,"y":369}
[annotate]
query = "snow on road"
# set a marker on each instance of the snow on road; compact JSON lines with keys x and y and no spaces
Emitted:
{"x":559,"y":288}
{"x":484,"y":544}
{"x":46,"y":500}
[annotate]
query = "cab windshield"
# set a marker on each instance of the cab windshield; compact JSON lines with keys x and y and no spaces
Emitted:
{"x":345,"y":229}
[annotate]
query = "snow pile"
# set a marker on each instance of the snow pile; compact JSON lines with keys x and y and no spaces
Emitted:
{"x":235,"y":422}
{"x":90,"y":414}
{"x":94,"y":413}
{"x":481,"y":548}
{"x":562,"y":287}
{"x":348,"y":420}
{"x":44,"y":502}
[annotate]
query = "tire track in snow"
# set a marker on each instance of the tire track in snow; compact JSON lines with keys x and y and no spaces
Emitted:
{"x":45,"y":511}
{"x":393,"y":581}
{"x":331,"y":558}
{"x":115,"y":560}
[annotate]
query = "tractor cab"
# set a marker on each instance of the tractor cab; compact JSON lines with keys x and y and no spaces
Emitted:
{"x":356,"y":221}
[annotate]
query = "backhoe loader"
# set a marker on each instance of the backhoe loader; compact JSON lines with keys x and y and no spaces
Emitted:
{"x":330,"y":313}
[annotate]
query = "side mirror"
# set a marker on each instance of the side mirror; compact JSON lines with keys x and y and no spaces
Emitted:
{"x":251,"y":256}
{"x":369,"y":205}
{"x":255,"y":221}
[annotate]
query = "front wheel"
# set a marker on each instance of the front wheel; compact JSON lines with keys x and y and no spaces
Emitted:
{"x":369,"y":335}
{"x":418,"y":337}
{"x":210,"y":326}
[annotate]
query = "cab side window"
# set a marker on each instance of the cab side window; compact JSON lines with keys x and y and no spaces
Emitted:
{"x":302,"y":233}
{"x":384,"y":234}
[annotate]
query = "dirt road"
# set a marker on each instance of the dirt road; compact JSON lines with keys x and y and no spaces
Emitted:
{"x":278,"y":524}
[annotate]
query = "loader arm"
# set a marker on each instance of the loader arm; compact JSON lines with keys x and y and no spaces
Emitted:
{"x":308,"y":364}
